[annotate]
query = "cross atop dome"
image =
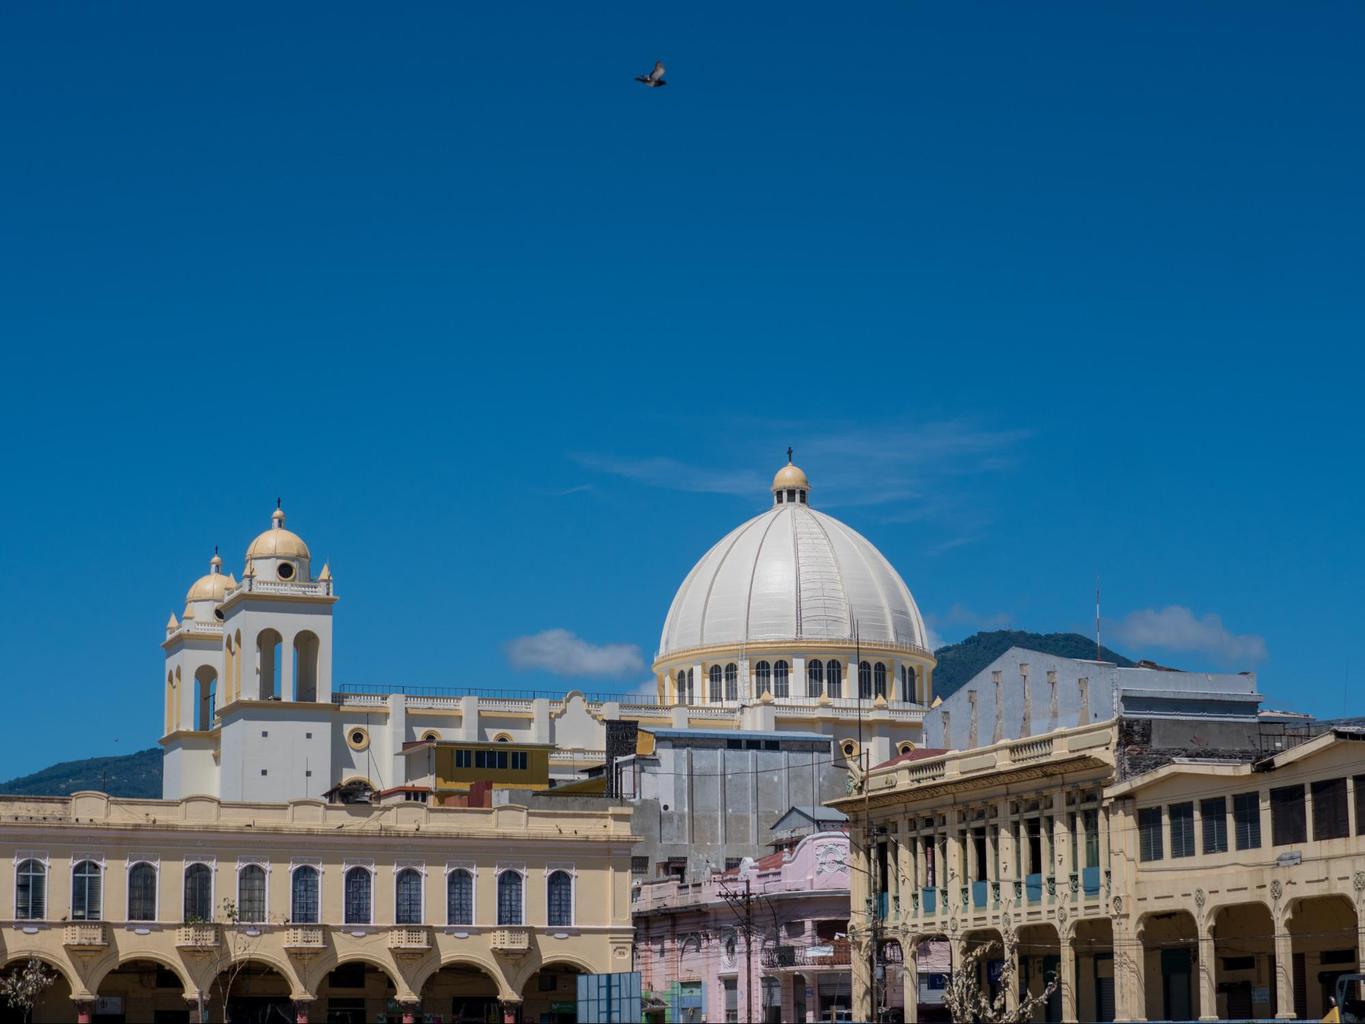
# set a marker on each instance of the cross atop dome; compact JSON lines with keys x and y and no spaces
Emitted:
{"x":790,"y":486}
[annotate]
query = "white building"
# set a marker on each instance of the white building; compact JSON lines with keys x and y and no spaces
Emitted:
{"x":792,"y":622}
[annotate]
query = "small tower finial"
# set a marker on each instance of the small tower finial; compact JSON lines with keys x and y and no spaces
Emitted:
{"x":278,"y":502}
{"x":789,"y":455}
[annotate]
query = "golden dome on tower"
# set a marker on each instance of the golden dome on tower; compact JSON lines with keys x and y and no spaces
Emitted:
{"x":213,"y":586}
{"x":277,"y":542}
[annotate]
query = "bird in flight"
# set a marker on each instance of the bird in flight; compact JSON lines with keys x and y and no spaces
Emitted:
{"x":655,"y":78}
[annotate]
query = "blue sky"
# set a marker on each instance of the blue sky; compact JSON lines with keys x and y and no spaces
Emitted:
{"x":1035,"y":292}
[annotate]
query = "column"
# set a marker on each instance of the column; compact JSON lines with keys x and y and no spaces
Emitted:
{"x":1067,"y":970}
{"x":910,"y":978}
{"x":1105,"y":876}
{"x":1208,"y":993}
{"x":905,"y":867}
{"x":1012,"y":970}
{"x":1284,"y":969}
{"x":862,"y":976}
{"x":1130,"y":973}
{"x":1061,"y":849}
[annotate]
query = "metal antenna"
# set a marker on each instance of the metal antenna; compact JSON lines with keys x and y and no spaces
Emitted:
{"x":1097,"y":618}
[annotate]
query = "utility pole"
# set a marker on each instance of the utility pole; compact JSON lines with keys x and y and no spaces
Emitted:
{"x":742,"y":905}
{"x":748,"y":954}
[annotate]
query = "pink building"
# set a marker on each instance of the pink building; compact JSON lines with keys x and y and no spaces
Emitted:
{"x":692,"y":954}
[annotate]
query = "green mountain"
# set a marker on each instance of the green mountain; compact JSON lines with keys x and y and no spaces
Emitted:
{"x":959,"y":662}
{"x":132,"y":775}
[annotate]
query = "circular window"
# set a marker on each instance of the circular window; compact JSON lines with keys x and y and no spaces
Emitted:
{"x":357,"y":738}
{"x":285,"y":571}
{"x":218,"y":614}
{"x":430,"y":736}
{"x":906,"y":747}
{"x":850,"y":748}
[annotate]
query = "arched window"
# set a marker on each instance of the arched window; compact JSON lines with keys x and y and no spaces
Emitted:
{"x":142,"y":892}
{"x":835,"y":679}
{"x":815,"y":677}
{"x":30,"y":891}
{"x":304,"y":905}
{"x":306,"y":666}
{"x":879,"y":680}
{"x":357,"y":896}
{"x":251,"y":894}
{"x":781,"y":684}
{"x":715,"y":694}
{"x":909,"y":691}
{"x":763,"y":677}
{"x":459,"y":897}
{"x":198,"y":893}
{"x":509,"y":897}
{"x":691,"y":687}
{"x":407,"y":897}
{"x":865,"y":680}
{"x":681,"y":695}
{"x":87,"y":903}
{"x":732,"y":681}
{"x":559,"y":899}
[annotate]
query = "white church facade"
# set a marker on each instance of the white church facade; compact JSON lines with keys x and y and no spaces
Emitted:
{"x":793,"y":621}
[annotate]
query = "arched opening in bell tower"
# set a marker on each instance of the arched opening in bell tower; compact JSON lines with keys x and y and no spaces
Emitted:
{"x":306,"y":647}
{"x":205,"y":697}
{"x":269,"y":664}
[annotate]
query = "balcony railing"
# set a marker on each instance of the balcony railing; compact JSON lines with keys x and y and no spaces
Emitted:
{"x":197,"y":936}
{"x":304,"y":939}
{"x":835,"y":953}
{"x":90,"y":935}
{"x":409,"y":940}
{"x":512,"y":941}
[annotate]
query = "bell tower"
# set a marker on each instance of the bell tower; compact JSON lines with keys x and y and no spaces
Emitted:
{"x":277,"y":625}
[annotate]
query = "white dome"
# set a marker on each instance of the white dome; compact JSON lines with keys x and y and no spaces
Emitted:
{"x":791,"y":574}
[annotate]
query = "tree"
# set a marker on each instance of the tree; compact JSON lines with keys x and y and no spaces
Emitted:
{"x":234,"y":954}
{"x":21,"y":988}
{"x":966,"y":1001}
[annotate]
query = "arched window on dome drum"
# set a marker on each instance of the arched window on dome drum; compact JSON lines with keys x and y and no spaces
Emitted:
{"x":460,"y":897}
{"x":908,"y":691}
{"x":86,"y":900}
{"x":763,"y":674}
{"x":834,"y":680}
{"x":715,"y":694}
{"x":865,"y":680}
{"x":780,"y":680}
{"x":681,"y":695}
{"x":251,"y":894}
{"x":879,"y":680}
{"x":303,"y":908}
{"x":691,"y":687}
{"x":815,"y":677}
{"x":30,"y":891}
{"x":732,"y":681}
{"x":407,"y":895}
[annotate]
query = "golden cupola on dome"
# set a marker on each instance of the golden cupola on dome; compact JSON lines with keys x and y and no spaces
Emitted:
{"x":790,"y":485}
{"x":278,"y":553}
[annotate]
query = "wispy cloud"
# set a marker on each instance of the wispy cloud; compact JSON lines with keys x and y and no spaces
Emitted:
{"x":565,"y":654}
{"x":662,"y":471}
{"x":1178,"y":629}
{"x":909,"y":472}
{"x":576,"y":489}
